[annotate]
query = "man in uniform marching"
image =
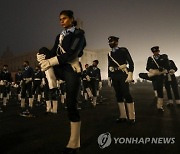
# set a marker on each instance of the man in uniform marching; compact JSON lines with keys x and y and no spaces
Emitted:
{"x":86,"y":84}
{"x":94,"y":77}
{"x":26,"y":85}
{"x":158,"y":67}
{"x":18,"y":79}
{"x":37,"y":80}
{"x":6,"y":80}
{"x":121,"y":76}
{"x":171,"y":82}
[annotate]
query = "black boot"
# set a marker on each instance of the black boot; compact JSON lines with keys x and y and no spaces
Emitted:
{"x":1,"y":110}
{"x":70,"y":151}
{"x":146,"y":77}
{"x":131,"y":121}
{"x":53,"y":93}
{"x":120,"y":120}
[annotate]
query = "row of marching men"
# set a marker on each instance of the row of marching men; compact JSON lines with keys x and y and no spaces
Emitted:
{"x":32,"y":84}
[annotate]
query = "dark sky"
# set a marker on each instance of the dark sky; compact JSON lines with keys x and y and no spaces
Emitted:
{"x":27,"y":25}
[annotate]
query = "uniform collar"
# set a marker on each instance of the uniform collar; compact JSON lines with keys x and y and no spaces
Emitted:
{"x":67,"y":31}
{"x":156,"y":56}
{"x":94,"y":67}
{"x":114,"y":49}
{"x":5,"y":71}
{"x":26,"y":68}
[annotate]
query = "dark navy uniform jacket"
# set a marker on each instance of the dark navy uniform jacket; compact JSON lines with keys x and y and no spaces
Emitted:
{"x":5,"y":75}
{"x":18,"y":77}
{"x":28,"y":72}
{"x":122,"y":56}
{"x":84,"y":74}
{"x":38,"y":75}
{"x":94,"y":72}
{"x":73,"y":44}
{"x":172,"y":65}
{"x":162,"y":61}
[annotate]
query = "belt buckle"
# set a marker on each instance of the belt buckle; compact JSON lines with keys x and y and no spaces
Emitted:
{"x":111,"y":69}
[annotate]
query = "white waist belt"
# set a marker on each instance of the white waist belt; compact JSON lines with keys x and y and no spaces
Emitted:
{"x":37,"y":79}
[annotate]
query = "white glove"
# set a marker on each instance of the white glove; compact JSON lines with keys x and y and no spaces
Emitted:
{"x":15,"y":85}
{"x":46,"y":64}
{"x":122,"y":66}
{"x":21,"y":82}
{"x":75,"y":65}
{"x":40,"y":57}
{"x":43,"y":82}
{"x":100,"y":85}
{"x":109,"y":82}
{"x":2,"y":82}
{"x":88,"y":77}
{"x":164,"y":71}
{"x":26,"y":81}
{"x":129,"y":78}
{"x":171,"y":71}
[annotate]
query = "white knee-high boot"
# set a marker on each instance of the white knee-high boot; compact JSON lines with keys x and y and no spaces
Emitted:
{"x":54,"y":107}
{"x":86,"y":96}
{"x":155,"y":93}
{"x":19,"y":97}
{"x":94,"y":101}
{"x":160,"y":104}
{"x":31,"y":102}
{"x":65,"y":95}
{"x":48,"y":106}
{"x":82,"y":92}
{"x":89,"y":92}
{"x":42,"y":94}
{"x":74,"y":141}
{"x":131,"y":111}
{"x":52,"y":82}
{"x":22,"y":102}
{"x":4,"y":101}
{"x":97,"y":93}
{"x":8,"y":95}
{"x":122,"y":110}
{"x":62,"y":99}
{"x":1,"y":95}
{"x":39,"y":98}
{"x":178,"y":102}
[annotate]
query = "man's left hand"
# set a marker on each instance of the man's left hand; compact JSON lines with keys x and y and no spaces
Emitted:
{"x":129,"y":78}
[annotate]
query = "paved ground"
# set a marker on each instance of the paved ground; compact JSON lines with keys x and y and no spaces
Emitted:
{"x":49,"y":134}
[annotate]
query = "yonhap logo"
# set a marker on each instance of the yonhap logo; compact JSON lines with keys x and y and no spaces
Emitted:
{"x":104,"y":140}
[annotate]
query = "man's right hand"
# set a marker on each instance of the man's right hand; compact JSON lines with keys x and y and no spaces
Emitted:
{"x":109,"y":82}
{"x":40,"y":57}
{"x":88,"y":78}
